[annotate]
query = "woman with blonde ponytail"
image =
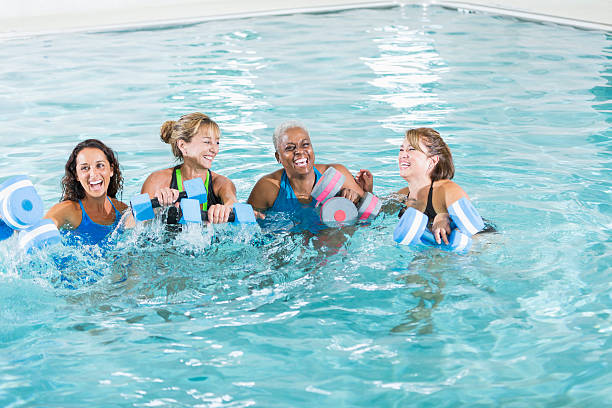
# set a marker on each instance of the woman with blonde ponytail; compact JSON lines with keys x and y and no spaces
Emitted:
{"x":194,"y":140}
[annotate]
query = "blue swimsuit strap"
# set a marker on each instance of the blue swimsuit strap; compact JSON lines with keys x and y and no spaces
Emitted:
{"x":85,"y":216}
{"x":286,"y":198}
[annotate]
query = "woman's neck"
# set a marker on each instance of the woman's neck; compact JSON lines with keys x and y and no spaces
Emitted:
{"x":189,"y":171}
{"x":98,"y":205}
{"x":302,"y":184}
{"x":418,"y":184}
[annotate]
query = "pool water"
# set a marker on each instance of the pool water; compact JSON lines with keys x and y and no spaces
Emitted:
{"x":273,"y":317}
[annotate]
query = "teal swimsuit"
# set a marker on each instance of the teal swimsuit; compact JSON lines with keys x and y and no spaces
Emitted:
{"x":286,"y":199}
{"x":288,"y":213}
{"x":91,"y":233}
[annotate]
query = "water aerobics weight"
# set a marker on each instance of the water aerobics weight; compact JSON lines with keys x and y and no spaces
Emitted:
{"x":21,"y":209}
{"x":142,"y":205}
{"x":412,"y":227}
{"x":340,"y":209}
{"x":189,"y":211}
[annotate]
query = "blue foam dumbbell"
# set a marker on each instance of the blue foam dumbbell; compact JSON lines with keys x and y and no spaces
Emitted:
{"x":412,"y":227}
{"x":5,"y":231}
{"x":43,"y":233}
{"x":20,"y":204}
{"x":465,"y":216}
{"x":190,"y":213}
{"x":142,"y":205}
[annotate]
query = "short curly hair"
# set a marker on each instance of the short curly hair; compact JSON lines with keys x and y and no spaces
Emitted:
{"x":72,"y":189}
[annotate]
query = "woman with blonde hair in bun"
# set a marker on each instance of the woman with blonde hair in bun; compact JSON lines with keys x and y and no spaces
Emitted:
{"x":194,"y":139}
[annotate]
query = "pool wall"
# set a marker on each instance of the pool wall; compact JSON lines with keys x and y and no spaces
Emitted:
{"x":28,"y":17}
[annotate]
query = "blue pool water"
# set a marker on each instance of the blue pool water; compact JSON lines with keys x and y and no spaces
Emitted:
{"x":245,"y":317}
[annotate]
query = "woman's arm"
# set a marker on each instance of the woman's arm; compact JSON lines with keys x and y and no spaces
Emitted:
{"x":66,"y":214}
{"x":264,"y":193}
{"x":158,"y":185}
{"x":226,"y":191}
{"x":450,"y":192}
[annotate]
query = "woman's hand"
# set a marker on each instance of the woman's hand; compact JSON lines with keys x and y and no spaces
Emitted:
{"x":167,"y":196}
{"x":350,"y":194}
{"x":219,"y":213}
{"x":441,"y":228}
{"x":365,"y":180}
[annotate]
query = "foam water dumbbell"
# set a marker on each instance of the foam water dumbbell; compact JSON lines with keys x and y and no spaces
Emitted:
{"x":465,"y":217}
{"x":369,"y":207}
{"x":338,"y":210}
{"x":142,"y":205}
{"x":5,"y":231}
{"x":328,"y":185}
{"x":20,"y":204}
{"x":190,"y":213}
{"x":43,"y":233}
{"x":412,"y":230}
{"x":341,"y":210}
{"x":412,"y":227}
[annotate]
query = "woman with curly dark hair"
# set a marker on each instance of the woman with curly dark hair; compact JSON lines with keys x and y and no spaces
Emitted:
{"x":89,"y":206}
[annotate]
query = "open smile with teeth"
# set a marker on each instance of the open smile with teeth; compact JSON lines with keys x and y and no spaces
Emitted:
{"x":95,"y":185}
{"x":404,"y":165}
{"x":301,"y":162}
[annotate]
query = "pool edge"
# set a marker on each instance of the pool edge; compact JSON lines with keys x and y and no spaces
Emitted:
{"x":338,"y":6}
{"x":525,"y":15}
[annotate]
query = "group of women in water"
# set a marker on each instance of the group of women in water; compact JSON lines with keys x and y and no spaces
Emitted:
{"x":89,"y":204}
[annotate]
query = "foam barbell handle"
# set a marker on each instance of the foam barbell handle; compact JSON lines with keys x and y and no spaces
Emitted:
{"x":155,"y":202}
{"x":190,"y":213}
{"x":457,"y":241}
{"x":231,"y":218}
{"x":142,"y":206}
{"x":241,"y":214}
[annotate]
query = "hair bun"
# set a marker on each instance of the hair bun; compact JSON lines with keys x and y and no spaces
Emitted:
{"x":166,"y":131}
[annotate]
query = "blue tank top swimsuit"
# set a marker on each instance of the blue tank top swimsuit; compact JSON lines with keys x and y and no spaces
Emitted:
{"x":92,"y":233}
{"x":286,"y":199}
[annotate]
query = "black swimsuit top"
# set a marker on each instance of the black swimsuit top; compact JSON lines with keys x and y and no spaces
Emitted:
{"x":429,"y":209}
{"x":212,"y":199}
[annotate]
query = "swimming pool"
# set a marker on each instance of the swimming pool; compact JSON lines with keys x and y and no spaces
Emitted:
{"x":252,"y":318}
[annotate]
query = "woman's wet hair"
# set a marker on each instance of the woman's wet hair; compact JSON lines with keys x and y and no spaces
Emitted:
{"x":185,"y":129}
{"x":282,"y":129}
{"x":71,"y":186}
{"x":435,"y":145}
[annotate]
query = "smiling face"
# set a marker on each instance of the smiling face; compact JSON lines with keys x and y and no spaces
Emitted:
{"x":201,"y":150}
{"x":295,"y":152}
{"x":412,"y":162}
{"x":93,"y":171}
